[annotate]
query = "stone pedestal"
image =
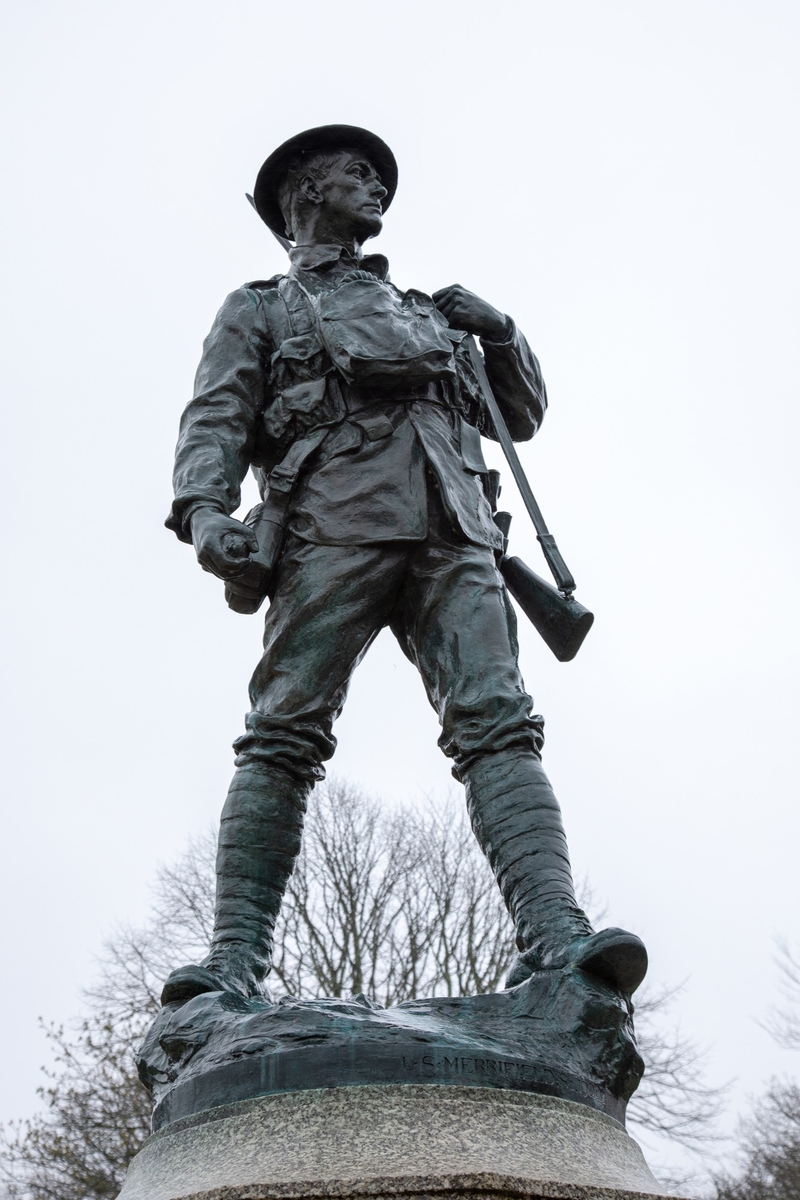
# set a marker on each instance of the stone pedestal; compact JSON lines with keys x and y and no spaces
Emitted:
{"x":410,"y":1141}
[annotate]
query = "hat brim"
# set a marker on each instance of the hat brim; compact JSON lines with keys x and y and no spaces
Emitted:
{"x":314,"y":141}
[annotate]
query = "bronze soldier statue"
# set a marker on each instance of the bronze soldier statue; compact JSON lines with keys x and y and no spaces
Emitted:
{"x":359,"y":410}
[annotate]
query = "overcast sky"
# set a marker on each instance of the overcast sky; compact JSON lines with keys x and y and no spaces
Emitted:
{"x":620,"y":177}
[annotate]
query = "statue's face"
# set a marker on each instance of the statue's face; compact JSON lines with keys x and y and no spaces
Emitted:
{"x":352,"y":194}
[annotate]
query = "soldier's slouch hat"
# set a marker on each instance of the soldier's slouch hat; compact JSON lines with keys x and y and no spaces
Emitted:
{"x":313,"y":141}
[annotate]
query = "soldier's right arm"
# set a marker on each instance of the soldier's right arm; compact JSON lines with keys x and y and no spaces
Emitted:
{"x":218,"y":427}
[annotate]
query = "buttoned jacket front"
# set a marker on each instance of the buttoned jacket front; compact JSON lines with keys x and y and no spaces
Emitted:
{"x":267,"y":396}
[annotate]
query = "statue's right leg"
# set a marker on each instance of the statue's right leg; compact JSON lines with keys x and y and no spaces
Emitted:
{"x":259,"y":840}
{"x":329,"y":605}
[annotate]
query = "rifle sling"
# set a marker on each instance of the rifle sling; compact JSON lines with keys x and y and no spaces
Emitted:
{"x":561,"y":572}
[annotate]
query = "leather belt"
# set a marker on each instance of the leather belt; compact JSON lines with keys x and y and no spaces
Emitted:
{"x":360,"y":396}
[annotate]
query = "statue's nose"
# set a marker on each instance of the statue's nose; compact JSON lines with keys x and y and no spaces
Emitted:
{"x":378,"y":190}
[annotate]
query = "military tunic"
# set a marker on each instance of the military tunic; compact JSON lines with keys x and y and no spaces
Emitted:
{"x":387,"y":521}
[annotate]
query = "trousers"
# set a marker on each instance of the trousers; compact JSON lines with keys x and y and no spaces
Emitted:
{"x":446,"y":604}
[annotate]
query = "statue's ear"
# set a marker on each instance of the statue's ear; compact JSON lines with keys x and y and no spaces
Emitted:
{"x":311,"y":190}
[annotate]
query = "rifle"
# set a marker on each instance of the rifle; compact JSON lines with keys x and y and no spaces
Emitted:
{"x":561,"y":620}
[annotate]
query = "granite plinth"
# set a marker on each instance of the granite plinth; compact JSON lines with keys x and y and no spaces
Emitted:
{"x":561,"y":1033}
{"x":410,"y":1141}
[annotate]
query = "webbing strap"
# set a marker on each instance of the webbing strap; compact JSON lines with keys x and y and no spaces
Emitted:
{"x":282,"y":478}
{"x":298,"y":306}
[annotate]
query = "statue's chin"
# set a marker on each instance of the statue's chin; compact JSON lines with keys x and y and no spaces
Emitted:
{"x":370,"y":228}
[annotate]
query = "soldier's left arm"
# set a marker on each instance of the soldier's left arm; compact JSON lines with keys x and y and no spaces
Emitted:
{"x":511,"y":365}
{"x":517,"y":383}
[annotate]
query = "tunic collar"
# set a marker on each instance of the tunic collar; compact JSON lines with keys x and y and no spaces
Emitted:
{"x":319,"y":257}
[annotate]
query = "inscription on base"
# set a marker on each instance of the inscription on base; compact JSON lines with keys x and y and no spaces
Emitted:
{"x":435,"y":1065}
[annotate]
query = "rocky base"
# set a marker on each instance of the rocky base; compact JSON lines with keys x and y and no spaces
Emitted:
{"x":412,"y":1141}
{"x":561,"y":1033}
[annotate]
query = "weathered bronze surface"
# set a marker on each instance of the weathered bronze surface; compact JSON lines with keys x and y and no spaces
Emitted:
{"x":561,"y":1033}
{"x":360,"y":409}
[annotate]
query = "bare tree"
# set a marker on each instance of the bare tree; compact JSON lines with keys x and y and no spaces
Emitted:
{"x":392,"y":903}
{"x":96,"y":1117}
{"x":674,"y":1098}
{"x":96,"y":1114}
{"x":769,"y":1150}
{"x":783,"y":1022}
{"x":345,"y":918}
{"x":768,"y":1155}
{"x":395,"y":905}
{"x":135,"y":961}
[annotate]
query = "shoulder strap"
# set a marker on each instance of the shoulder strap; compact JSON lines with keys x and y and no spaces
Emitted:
{"x":277,"y":316}
{"x":298,"y":306}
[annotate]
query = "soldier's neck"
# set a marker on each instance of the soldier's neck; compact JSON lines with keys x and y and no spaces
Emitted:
{"x":324,"y":233}
{"x":351,"y":248}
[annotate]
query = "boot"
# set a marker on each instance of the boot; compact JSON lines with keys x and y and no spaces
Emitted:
{"x":517,"y":821}
{"x":259,"y":840}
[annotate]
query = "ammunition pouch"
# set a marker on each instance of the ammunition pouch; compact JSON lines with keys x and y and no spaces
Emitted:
{"x":307,"y":393}
{"x":375,"y":333}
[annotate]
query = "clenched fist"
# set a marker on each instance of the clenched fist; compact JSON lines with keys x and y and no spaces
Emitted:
{"x":222,"y":544}
{"x":464,"y":310}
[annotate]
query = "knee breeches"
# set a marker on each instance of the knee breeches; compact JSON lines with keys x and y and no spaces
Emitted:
{"x":448,"y":608}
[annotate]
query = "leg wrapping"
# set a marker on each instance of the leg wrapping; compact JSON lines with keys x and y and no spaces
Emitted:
{"x":259,"y":840}
{"x":517,"y":821}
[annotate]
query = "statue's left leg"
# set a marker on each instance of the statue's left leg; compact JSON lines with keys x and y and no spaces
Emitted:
{"x":517,"y":820}
{"x":456,"y":624}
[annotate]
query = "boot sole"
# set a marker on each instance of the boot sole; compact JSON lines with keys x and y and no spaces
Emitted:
{"x":613,"y":955}
{"x":617,"y":957}
{"x":188,"y":982}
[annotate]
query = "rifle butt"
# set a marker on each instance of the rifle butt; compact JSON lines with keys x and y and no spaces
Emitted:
{"x":562,"y":623}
